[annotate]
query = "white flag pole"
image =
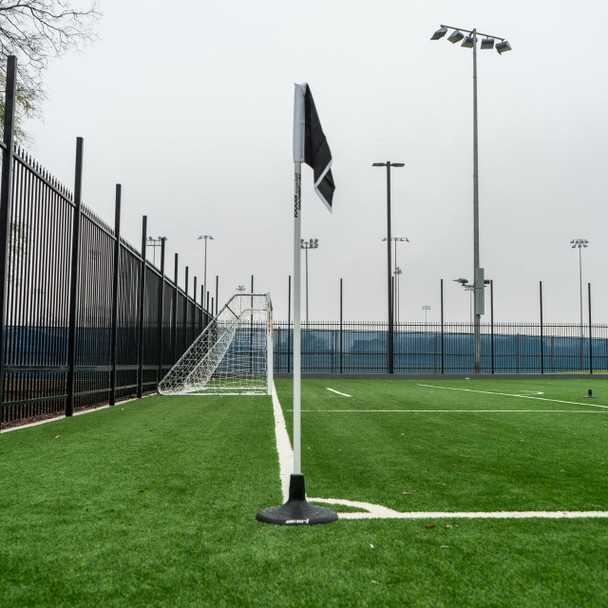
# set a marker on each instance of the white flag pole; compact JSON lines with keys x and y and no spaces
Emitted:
{"x":297,"y":365}
{"x":299,"y":124}
{"x":297,"y":511}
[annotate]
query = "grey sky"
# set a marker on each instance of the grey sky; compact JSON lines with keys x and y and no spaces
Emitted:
{"x":190,"y":109}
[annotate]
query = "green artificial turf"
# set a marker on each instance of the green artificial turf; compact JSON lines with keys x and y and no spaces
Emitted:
{"x":153,"y":503}
{"x":466,"y":461}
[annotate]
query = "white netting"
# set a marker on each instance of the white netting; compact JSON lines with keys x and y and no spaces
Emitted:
{"x":233,"y":355}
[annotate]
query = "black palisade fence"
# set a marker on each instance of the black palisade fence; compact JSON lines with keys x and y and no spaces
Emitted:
{"x":85,"y":319}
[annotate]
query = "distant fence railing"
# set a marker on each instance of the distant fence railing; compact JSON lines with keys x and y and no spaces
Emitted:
{"x":433,"y":348}
{"x":86,"y":320}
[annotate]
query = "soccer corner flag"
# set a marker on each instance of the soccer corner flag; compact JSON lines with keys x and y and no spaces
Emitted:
{"x":310,"y":144}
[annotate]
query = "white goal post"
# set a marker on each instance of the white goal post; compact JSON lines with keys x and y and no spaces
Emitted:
{"x":233,"y":354}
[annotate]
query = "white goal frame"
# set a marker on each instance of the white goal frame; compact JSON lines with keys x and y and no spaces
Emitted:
{"x":231,"y":356}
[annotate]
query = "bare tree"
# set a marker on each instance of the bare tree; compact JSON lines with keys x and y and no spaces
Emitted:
{"x":36,"y":31}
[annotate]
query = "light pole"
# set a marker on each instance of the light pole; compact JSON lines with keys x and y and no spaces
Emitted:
{"x":205,"y":237}
{"x":390,"y":352}
{"x":398,"y":273}
{"x":306,"y":245}
{"x":426,"y":309}
{"x":471,"y":289}
{"x":580,"y":244}
{"x":396,"y":239}
{"x":154,"y":243}
{"x":502,"y":46}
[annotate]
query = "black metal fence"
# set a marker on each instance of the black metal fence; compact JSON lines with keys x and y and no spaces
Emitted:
{"x":86,"y":320}
{"x":436,"y":348}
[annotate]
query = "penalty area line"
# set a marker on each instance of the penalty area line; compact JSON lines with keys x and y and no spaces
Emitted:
{"x":471,"y":390}
{"x":341,"y":411}
{"x":338,"y":392}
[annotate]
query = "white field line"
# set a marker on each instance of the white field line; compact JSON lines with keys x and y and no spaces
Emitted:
{"x":453,"y":412}
{"x":470,"y":390}
{"x":373,"y":511}
{"x":283,"y":445}
{"x":338,"y":392}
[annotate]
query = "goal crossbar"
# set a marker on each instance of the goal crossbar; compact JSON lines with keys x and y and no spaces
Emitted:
{"x":232,"y":355}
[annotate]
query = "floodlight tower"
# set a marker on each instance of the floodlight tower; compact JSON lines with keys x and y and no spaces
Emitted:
{"x":154,"y":243}
{"x":580,"y":244}
{"x":426,"y":309}
{"x":502,"y":46}
{"x":306,"y":245}
{"x":390,"y":352}
{"x":396,"y":272}
{"x":205,"y":237}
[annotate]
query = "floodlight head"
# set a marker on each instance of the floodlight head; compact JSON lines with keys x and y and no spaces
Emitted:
{"x":503,"y":47}
{"x":455,"y":36}
{"x":378,"y":164}
{"x":440,"y":33}
{"x":487,"y":43}
{"x":468,"y":42}
{"x":461,"y":281}
{"x":397,"y":164}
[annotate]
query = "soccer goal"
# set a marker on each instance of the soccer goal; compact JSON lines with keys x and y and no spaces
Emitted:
{"x":232,"y":356}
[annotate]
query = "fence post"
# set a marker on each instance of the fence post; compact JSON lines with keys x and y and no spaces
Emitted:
{"x":194,"y":311}
{"x":442,"y":329}
{"x":142,"y":294}
{"x":5,"y":208}
{"x":69,"y":407}
{"x":492,"y":322}
{"x":542,"y":331}
{"x":341,"y":328}
{"x":217,"y":292}
{"x":114,"y":338}
{"x":590,"y":335}
{"x":186,"y":308}
{"x":161,"y":309}
{"x":174,"y":319}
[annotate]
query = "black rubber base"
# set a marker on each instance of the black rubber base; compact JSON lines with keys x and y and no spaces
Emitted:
{"x":297,"y":511}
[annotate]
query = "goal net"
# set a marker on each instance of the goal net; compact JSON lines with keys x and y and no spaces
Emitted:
{"x":233,"y":355}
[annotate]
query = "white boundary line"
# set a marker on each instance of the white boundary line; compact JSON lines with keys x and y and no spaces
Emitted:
{"x":373,"y":511}
{"x":283,"y":445}
{"x":471,"y":390}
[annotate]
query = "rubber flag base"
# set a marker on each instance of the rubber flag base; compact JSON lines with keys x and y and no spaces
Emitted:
{"x":297,"y":511}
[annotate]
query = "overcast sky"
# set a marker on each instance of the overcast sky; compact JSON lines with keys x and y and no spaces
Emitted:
{"x":189,"y":106}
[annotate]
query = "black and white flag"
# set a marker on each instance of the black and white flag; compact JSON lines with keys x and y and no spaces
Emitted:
{"x":310,"y":144}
